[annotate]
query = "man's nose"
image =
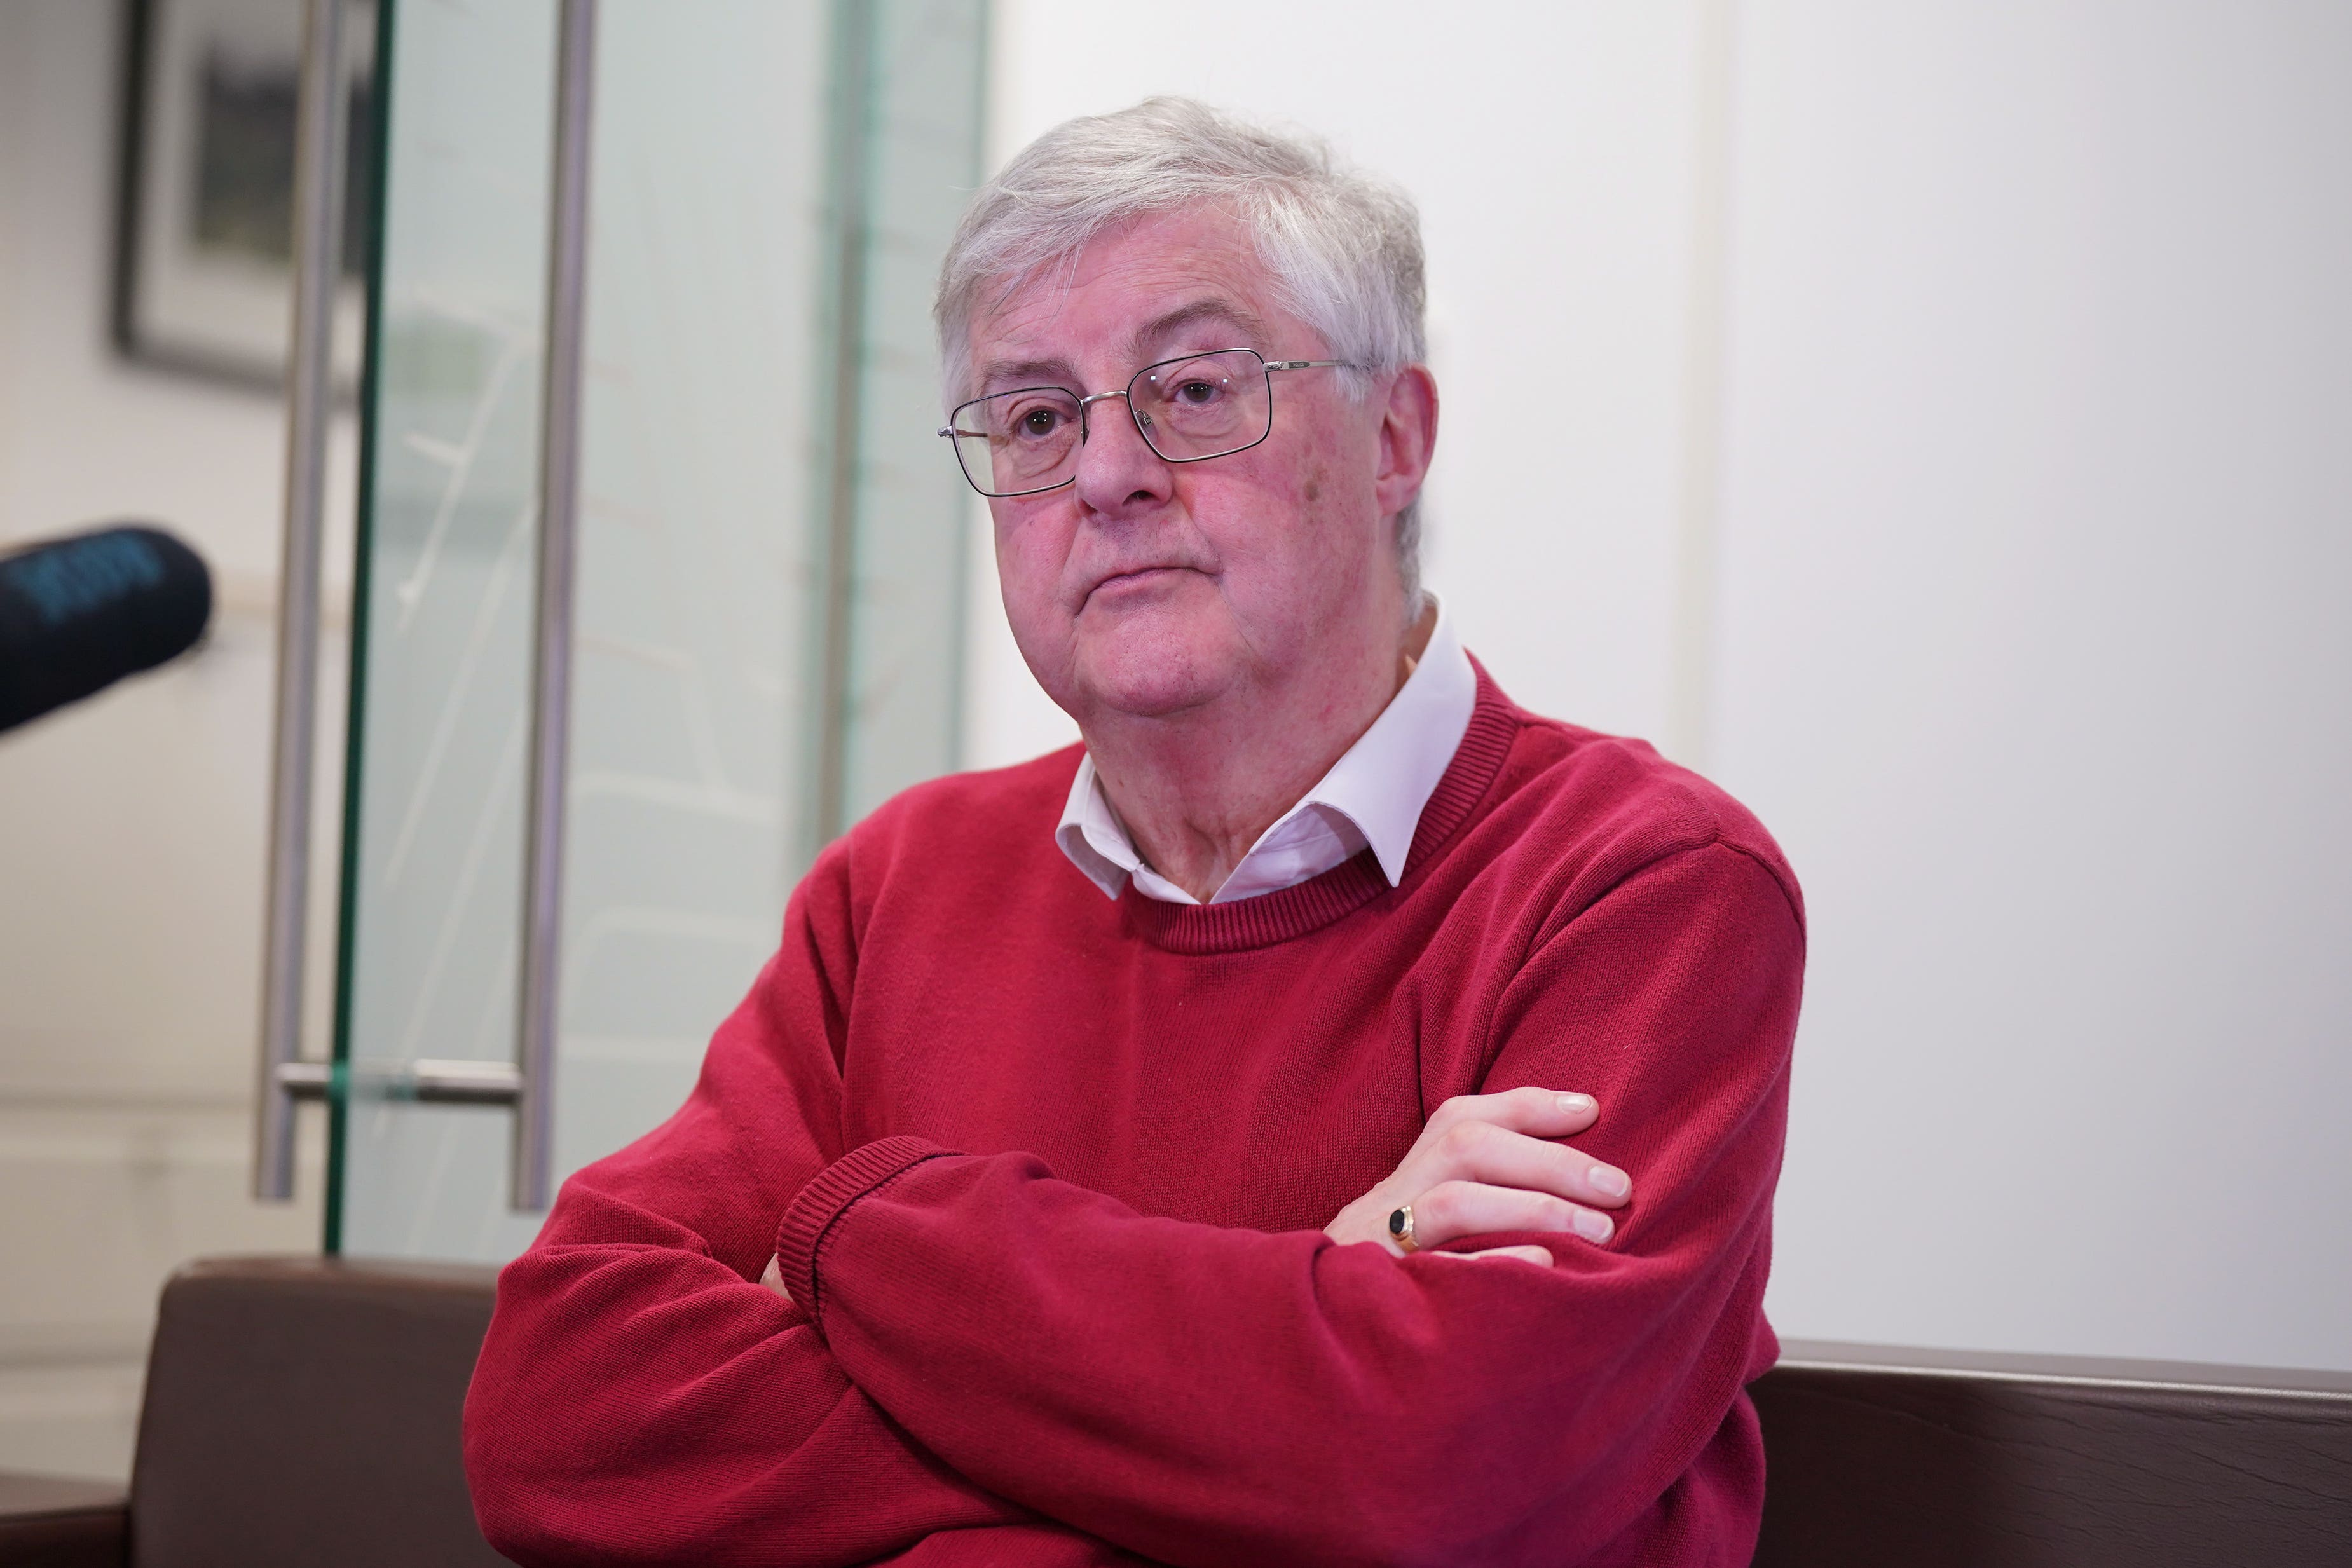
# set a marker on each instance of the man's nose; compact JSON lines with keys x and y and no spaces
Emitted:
{"x":1117,"y":467}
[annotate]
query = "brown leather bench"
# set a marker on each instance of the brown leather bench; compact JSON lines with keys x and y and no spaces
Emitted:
{"x":304,"y":1412}
{"x":300,"y":1412}
{"x":1939,"y":1459}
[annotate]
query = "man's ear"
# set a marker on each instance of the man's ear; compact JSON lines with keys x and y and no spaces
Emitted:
{"x":1408,"y":438}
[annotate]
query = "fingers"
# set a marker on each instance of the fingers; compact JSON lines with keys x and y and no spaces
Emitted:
{"x":1536,"y":1255}
{"x":1457,"y":1208}
{"x":1498,"y":1143}
{"x":1484,"y":1152}
{"x":1539,"y":1112}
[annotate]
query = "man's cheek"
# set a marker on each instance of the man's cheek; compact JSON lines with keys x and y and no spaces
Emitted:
{"x":1031,"y":566}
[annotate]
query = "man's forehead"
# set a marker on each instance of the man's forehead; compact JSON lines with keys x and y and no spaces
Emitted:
{"x":1131,"y":291}
{"x":1232,"y":323}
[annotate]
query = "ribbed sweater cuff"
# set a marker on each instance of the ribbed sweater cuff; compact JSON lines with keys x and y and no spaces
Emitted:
{"x":800,"y":1235}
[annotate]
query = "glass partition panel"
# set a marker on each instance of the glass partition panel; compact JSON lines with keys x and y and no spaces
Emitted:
{"x":720,"y":251}
{"x":917,"y":104}
{"x":442,"y":631}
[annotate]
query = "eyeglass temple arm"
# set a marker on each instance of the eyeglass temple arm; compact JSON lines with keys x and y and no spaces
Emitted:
{"x":1308,"y":365}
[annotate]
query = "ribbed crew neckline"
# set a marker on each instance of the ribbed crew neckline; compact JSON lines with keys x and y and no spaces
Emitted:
{"x":1292,"y":912}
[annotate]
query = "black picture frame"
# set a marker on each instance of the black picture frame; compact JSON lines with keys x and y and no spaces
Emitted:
{"x":202,"y":268}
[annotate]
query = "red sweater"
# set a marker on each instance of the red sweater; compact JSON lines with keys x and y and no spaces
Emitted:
{"x":1046,"y":1174}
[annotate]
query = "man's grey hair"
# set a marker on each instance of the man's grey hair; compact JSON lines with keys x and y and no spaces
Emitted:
{"x":1344,"y":247}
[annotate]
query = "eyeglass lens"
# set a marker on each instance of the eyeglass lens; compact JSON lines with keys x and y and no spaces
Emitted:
{"x":1199,"y":405}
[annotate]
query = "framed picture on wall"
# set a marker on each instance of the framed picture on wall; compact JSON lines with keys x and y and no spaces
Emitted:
{"x":203,"y":263}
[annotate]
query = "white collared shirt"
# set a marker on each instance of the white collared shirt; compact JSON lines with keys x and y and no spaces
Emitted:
{"x":1373,"y":794}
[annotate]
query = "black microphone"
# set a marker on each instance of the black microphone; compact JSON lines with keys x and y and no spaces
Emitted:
{"x":78,"y":614}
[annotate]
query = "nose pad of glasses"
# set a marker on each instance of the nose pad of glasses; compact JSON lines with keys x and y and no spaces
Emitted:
{"x":1144,"y":420}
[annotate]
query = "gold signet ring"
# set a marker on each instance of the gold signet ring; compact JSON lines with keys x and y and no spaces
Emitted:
{"x":1400,"y":1229}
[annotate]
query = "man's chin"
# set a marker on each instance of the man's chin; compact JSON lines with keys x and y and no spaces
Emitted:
{"x":1153,"y":698}
{"x":1153,"y":681}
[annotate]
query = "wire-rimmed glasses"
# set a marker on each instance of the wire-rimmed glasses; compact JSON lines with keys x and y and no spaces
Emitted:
{"x":1187,"y":410}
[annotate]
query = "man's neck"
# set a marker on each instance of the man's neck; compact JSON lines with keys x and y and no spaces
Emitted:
{"x":1197,"y":789}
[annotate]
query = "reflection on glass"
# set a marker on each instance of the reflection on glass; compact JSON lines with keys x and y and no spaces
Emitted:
{"x":703,"y":482}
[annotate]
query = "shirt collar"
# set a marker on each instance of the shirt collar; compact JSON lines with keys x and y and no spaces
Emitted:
{"x":1377,"y":788}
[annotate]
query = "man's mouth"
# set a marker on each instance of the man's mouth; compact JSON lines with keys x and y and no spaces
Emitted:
{"x":1137,"y":578}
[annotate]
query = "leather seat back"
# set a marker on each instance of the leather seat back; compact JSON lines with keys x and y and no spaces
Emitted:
{"x":1939,"y":1459}
{"x":306,"y":1411}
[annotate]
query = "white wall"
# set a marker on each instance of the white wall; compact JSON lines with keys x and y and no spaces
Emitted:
{"x":1930,"y":419}
{"x":131,"y":824}
{"x":2034,"y":651}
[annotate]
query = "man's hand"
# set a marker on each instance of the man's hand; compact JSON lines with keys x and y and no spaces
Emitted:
{"x":1482,"y":1166}
{"x":773,"y":1278}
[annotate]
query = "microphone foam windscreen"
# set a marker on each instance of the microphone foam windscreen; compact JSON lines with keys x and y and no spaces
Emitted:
{"x":79,"y":614}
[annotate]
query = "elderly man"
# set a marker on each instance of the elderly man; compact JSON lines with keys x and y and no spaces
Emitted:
{"x":1162,"y":1151}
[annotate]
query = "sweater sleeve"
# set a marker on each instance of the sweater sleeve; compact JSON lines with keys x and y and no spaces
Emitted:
{"x":1205,"y":1396}
{"x":640,"y":1398}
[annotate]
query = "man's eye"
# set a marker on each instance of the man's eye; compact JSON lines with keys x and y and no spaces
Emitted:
{"x":1197,"y":392}
{"x":1038,"y":421}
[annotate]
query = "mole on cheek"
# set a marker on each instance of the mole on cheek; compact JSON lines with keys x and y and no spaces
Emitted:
{"x":1314,"y":489}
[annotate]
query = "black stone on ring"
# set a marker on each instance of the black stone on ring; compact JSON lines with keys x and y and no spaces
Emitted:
{"x":1400,"y":1229}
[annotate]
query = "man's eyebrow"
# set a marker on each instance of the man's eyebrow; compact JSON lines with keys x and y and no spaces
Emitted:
{"x":1222,"y":312}
{"x":1005,"y":374}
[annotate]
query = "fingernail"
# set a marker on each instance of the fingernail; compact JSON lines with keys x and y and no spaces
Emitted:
{"x":1610,"y":1180}
{"x":1593,"y":1227}
{"x":1576,"y":1104}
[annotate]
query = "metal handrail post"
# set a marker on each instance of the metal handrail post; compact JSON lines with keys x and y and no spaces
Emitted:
{"x":310,"y":392}
{"x":564,"y":362}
